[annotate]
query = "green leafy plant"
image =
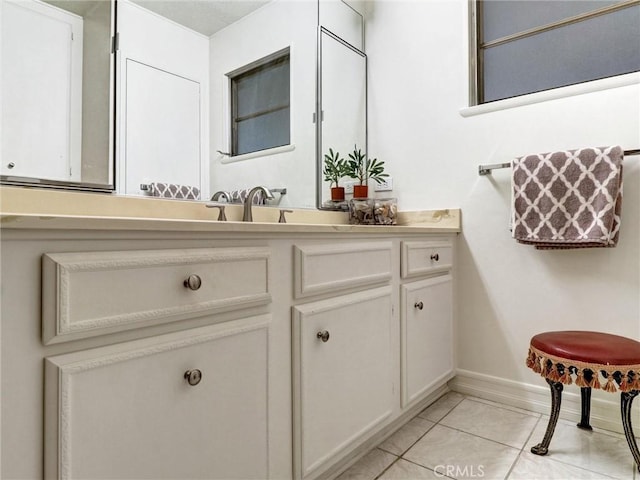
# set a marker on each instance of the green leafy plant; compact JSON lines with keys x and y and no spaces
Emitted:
{"x":334,"y":168}
{"x":361,"y":168}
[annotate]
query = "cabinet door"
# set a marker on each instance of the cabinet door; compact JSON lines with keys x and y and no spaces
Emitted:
{"x":128,"y":411}
{"x":342,"y":374}
{"x":41,"y":91}
{"x":426,"y":336}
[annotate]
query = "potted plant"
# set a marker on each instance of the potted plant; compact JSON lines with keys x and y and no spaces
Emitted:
{"x":361,"y":168}
{"x":333,"y":171}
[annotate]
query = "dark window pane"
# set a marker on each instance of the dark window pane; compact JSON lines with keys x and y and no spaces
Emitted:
{"x":506,"y":17}
{"x":600,"y":47}
{"x":263,"y":89}
{"x":266,"y":131}
{"x":260,"y":107}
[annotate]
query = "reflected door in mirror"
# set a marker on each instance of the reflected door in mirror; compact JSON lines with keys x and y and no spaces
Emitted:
{"x":162,"y":128}
{"x":57,"y":100}
{"x":344,"y":102}
{"x":41,"y":91}
{"x":163,"y":102}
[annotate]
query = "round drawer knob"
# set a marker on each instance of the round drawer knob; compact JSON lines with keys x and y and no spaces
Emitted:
{"x":193,"y":282}
{"x":193,"y":377}
{"x":419,"y":305}
{"x":323,"y":335}
{"x":11,"y":165}
{"x":435,"y":257}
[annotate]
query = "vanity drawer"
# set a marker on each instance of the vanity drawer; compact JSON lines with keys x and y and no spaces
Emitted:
{"x":85,"y":294}
{"x":335,"y":267}
{"x":422,"y":258}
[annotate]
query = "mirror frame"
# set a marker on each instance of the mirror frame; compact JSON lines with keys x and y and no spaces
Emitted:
{"x":109,"y":187}
{"x":318,"y":115}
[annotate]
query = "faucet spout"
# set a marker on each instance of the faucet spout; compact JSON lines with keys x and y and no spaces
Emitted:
{"x":221,"y":194}
{"x":248,"y":203}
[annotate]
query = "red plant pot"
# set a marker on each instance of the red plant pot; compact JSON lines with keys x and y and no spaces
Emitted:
{"x":337,"y":194}
{"x":360,"y":191}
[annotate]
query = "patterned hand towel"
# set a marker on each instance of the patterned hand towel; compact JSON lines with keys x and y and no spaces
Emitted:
{"x":239,"y":196}
{"x":172,"y":190}
{"x":569,"y":199}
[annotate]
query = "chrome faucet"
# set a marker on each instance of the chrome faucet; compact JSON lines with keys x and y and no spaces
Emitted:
{"x":248,"y":203}
{"x":220,"y":193}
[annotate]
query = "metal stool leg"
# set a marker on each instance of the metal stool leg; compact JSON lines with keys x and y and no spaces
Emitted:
{"x":626,"y":398}
{"x":585,"y":398}
{"x":556,"y":398}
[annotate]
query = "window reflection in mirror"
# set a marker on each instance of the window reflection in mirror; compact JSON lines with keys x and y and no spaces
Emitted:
{"x":260,"y":101}
{"x":278,"y":27}
{"x":57,"y":110}
{"x":189,"y":139}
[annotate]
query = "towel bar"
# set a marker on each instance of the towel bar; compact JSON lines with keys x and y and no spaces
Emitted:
{"x":145,"y":187}
{"x":486,"y":169}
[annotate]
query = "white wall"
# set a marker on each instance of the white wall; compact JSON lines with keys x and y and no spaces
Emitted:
{"x":278,"y":25}
{"x":155,"y":150}
{"x":418,"y":81}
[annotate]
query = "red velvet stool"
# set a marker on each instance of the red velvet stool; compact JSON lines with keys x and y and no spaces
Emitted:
{"x":591,"y":360}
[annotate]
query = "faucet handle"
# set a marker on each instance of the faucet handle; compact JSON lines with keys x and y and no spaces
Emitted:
{"x":282,"y":219}
{"x":222,"y":217}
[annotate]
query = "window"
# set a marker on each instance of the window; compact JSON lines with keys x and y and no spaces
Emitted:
{"x":260,"y":113}
{"x":527,"y":46}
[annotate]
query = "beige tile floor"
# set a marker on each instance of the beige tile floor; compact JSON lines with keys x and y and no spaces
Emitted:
{"x":463,"y":437}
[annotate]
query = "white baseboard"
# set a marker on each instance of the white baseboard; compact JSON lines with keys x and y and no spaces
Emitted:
{"x":605,"y":414}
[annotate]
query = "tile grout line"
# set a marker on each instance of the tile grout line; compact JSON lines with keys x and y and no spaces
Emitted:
{"x":521,"y":411}
{"x":401,"y":456}
{"x":523,"y":447}
{"x":420,"y":438}
{"x":480,"y":436}
{"x":426,"y":468}
{"x":390,"y":465}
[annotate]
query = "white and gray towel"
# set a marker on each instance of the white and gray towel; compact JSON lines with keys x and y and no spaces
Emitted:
{"x":172,"y":190}
{"x":568,"y":199}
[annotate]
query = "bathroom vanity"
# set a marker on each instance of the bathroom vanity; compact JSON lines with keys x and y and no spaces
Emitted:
{"x":188,"y":348}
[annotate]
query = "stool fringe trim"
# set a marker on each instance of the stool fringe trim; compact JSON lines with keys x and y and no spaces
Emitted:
{"x":615,"y":378}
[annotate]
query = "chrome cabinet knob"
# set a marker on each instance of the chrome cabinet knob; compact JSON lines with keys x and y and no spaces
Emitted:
{"x":193,"y":377}
{"x":193,"y":282}
{"x":419,"y":305}
{"x":323,"y":335}
{"x":435,"y":257}
{"x":11,"y":165}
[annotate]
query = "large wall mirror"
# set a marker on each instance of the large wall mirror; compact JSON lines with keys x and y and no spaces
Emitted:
{"x":219,"y":95}
{"x":56,"y":90}
{"x":226,"y":104}
{"x":342,"y":98}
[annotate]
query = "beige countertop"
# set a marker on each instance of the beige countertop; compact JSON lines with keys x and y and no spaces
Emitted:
{"x":53,"y":209}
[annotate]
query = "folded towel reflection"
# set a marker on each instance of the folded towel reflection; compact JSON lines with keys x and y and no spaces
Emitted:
{"x":172,"y":190}
{"x":568,"y":199}
{"x":240,"y":196}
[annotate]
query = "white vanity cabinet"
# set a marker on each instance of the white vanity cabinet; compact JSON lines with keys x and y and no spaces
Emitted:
{"x":426,"y":339}
{"x":343,"y":385}
{"x":343,"y":378}
{"x":190,"y":404}
{"x":140,"y":355}
{"x":303,"y":344}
